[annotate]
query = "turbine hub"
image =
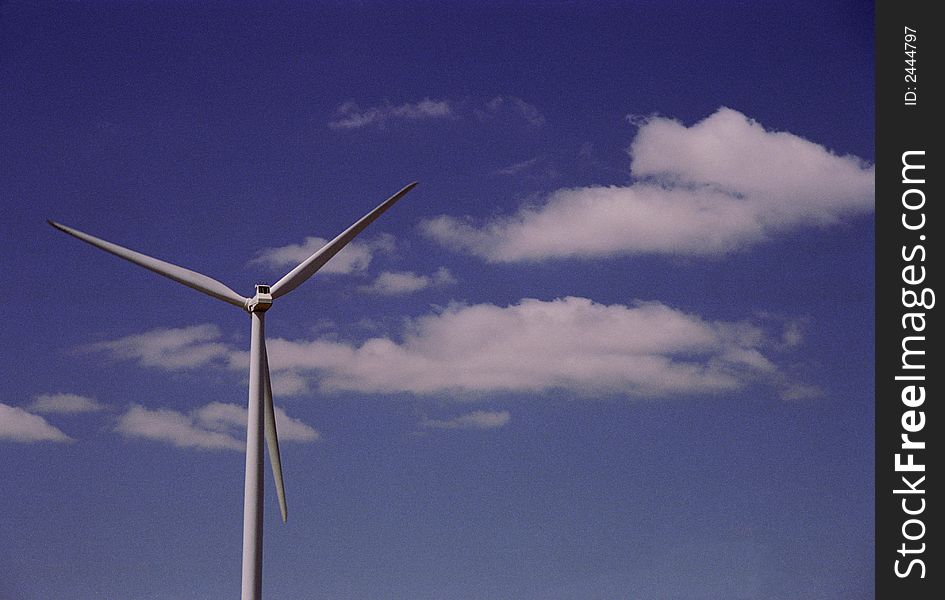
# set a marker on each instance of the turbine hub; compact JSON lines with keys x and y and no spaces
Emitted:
{"x":261,"y":301}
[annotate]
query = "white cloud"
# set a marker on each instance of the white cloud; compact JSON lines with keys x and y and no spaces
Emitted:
{"x":215,"y":426}
{"x":294,"y":430}
{"x":719,"y":186}
{"x":174,"y":428}
{"x":18,"y":425}
{"x":191,"y":347}
{"x":645,"y":350}
{"x":519,"y":167}
{"x":512,"y":105}
{"x":171,"y":349}
{"x":790,"y":179}
{"x":801,"y":392}
{"x":351,"y":116}
{"x":392,"y":283}
{"x":65,"y":404}
{"x":287,"y":383}
{"x":354,"y":257}
{"x":793,"y":334}
{"x":478,"y":419}
{"x":538,"y":169}
{"x":219,"y":416}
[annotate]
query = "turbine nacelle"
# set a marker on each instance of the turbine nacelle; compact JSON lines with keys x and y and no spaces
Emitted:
{"x":261,"y":301}
{"x":261,"y":420}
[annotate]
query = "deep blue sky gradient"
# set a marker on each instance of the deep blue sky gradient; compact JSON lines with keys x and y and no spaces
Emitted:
{"x":198,"y":133}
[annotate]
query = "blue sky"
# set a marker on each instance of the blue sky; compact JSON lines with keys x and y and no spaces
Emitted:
{"x":618,"y":343}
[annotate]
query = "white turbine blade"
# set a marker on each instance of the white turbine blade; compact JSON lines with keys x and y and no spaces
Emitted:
{"x":313,"y":263}
{"x":272,"y":438}
{"x":191,"y":279}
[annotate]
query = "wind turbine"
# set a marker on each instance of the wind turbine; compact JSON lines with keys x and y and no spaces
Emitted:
{"x":261,"y":416}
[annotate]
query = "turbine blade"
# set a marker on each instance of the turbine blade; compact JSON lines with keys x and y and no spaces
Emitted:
{"x":191,"y":279}
{"x":272,"y":438}
{"x":313,"y":263}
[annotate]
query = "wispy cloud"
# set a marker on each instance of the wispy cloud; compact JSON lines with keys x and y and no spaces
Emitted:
{"x":351,"y":116}
{"x":537,"y":169}
{"x":478,"y":419}
{"x":18,"y":425}
{"x":65,"y":404}
{"x":719,"y":186}
{"x":287,"y":383}
{"x":215,"y":426}
{"x":353,"y":258}
{"x":801,"y":392}
{"x":172,"y":349}
{"x":513,"y":106}
{"x":178,"y":349}
{"x":793,"y":334}
{"x":505,"y":109}
{"x":174,"y":428}
{"x":393,"y":283}
{"x":519,"y":167}
{"x":220,"y":416}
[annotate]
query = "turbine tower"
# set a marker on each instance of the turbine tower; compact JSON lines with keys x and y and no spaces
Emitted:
{"x":261,"y":420}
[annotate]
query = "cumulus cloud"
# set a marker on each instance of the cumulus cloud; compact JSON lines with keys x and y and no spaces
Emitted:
{"x":644,"y":350}
{"x":353,"y":258}
{"x":65,"y":404}
{"x":215,"y":426}
{"x":351,"y":116}
{"x":479,"y":419}
{"x":721,"y":185}
{"x":171,"y":349}
{"x":393,"y":283}
{"x":18,"y":425}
